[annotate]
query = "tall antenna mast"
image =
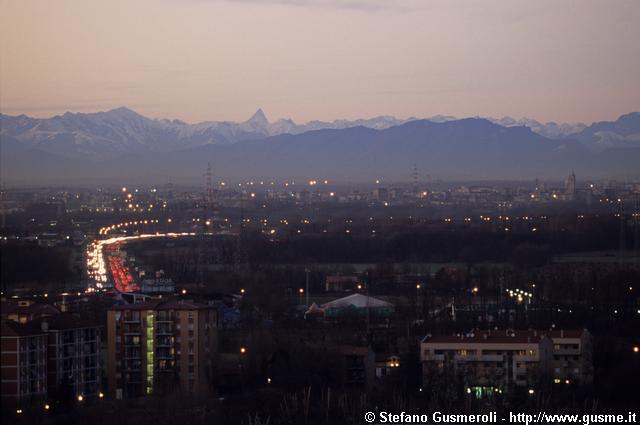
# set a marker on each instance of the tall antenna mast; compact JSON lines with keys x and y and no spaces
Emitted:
{"x":204,"y":253}
{"x":241,"y":254}
{"x":636,"y":222}
{"x":622,"y":228}
{"x":209,"y":185}
{"x":3,"y":194}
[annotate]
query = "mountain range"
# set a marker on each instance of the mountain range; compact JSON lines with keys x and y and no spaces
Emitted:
{"x":104,"y":135}
{"x":121,"y":144}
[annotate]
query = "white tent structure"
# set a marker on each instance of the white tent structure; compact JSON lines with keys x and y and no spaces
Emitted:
{"x":358,"y":305}
{"x":357,"y":301}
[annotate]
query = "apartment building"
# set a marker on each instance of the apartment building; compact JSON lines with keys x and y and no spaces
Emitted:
{"x":160,"y":344}
{"x":73,"y":354}
{"x":489,"y":361}
{"x":572,"y":356}
{"x":24,"y":364}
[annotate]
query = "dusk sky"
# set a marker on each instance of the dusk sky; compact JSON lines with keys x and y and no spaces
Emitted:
{"x":322,"y":59}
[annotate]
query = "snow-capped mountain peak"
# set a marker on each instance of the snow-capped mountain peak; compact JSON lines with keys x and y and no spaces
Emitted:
{"x":258,"y":119}
{"x":121,"y":130}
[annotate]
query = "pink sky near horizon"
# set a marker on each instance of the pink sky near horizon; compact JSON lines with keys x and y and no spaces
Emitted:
{"x":199,"y":60}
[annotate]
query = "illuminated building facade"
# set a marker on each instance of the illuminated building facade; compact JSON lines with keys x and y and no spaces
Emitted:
{"x":492,"y":360}
{"x":489,"y":360}
{"x":572,"y":356}
{"x":160,"y":344}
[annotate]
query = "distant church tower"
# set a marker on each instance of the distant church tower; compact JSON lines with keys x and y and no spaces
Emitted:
{"x":570,"y":186}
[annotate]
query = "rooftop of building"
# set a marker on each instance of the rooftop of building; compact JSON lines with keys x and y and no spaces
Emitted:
{"x":31,"y":308}
{"x":503,"y":336}
{"x":64,"y":321}
{"x":163,"y":304}
{"x":15,"y":329}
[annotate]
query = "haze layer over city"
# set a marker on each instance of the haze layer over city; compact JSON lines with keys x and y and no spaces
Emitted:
{"x":319,"y":211}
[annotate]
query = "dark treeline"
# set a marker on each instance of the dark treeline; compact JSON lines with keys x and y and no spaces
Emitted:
{"x":421,"y":244}
{"x":407,"y":243}
{"x":30,"y":263}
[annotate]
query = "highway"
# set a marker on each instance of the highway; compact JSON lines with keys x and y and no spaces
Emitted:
{"x":106,"y":267}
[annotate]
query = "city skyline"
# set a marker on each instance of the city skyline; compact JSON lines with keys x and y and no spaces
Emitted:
{"x":200,"y":60}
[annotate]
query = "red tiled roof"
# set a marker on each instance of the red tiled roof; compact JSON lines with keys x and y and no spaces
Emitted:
{"x":565,"y":333}
{"x":182,"y":305}
{"x":164,"y":304}
{"x":480,"y":339}
{"x":503,"y":336}
{"x":36,"y":308}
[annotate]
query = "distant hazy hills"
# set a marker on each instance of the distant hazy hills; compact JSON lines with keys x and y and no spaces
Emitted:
{"x":121,"y":145}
